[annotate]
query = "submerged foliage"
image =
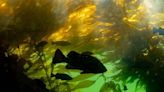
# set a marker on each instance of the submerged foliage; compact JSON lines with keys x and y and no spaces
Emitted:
{"x":105,"y":45}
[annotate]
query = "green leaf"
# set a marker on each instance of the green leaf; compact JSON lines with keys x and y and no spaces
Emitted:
{"x":84,"y":84}
{"x":105,"y":87}
{"x":37,"y":74}
{"x":110,"y":86}
{"x":82,"y":77}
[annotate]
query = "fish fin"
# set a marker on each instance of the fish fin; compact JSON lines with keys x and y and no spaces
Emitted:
{"x":59,"y":57}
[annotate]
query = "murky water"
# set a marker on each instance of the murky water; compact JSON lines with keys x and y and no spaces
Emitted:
{"x":126,"y":36}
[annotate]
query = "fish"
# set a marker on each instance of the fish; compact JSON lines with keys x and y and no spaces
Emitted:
{"x":92,"y":64}
{"x":59,"y":57}
{"x":87,"y":53}
{"x":75,"y":60}
{"x":61,"y":76}
{"x":86,"y":63}
{"x":61,"y":43}
{"x":40,"y":45}
{"x":160,"y":31}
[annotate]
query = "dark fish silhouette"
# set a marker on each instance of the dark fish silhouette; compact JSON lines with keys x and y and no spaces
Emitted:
{"x":61,"y":43}
{"x":87,"y":63}
{"x":74,"y":61}
{"x":158,"y":30}
{"x":40,"y":45}
{"x":84,"y":61}
{"x":61,"y":76}
{"x":87,"y":53}
{"x":58,"y":57}
{"x":92,"y":64}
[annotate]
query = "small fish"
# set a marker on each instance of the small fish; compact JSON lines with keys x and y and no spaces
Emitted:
{"x":58,"y":57}
{"x":61,"y":43}
{"x":40,"y":45}
{"x":158,"y":30}
{"x":61,"y":76}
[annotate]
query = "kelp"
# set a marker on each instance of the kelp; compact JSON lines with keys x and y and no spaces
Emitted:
{"x":81,"y":45}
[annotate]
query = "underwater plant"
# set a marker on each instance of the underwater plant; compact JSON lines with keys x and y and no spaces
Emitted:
{"x":81,"y":45}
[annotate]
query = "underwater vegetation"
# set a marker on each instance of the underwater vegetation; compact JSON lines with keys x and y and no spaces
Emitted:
{"x":81,"y":45}
{"x":12,"y":75}
{"x":12,"y":69}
